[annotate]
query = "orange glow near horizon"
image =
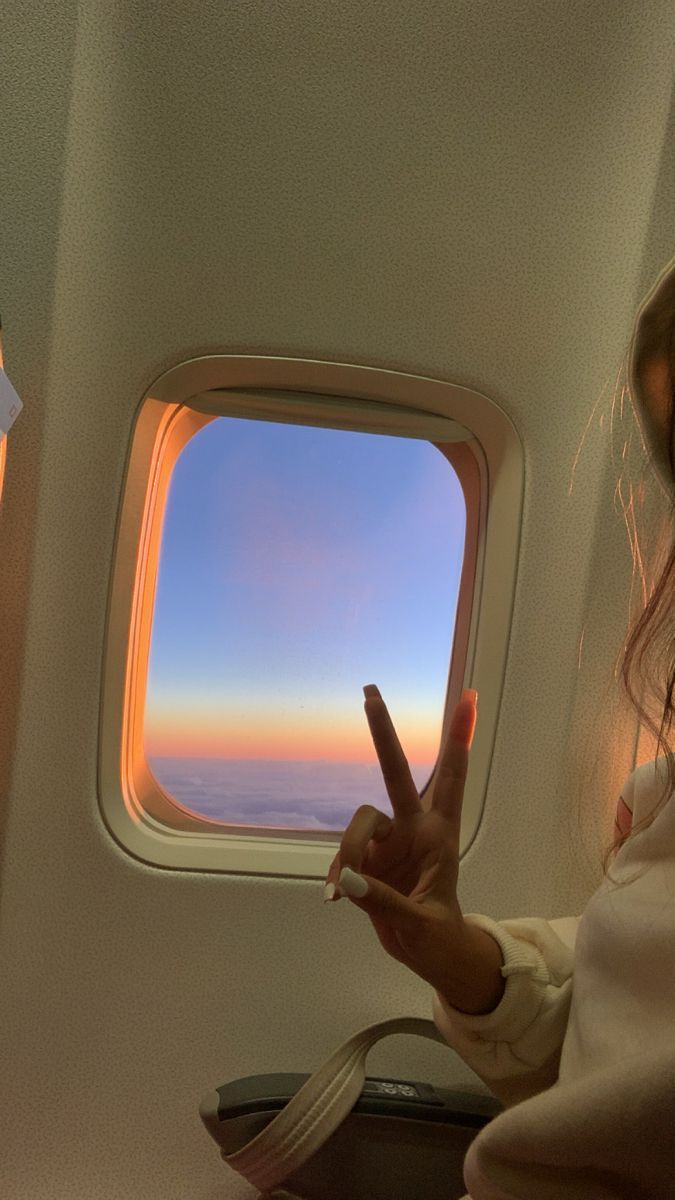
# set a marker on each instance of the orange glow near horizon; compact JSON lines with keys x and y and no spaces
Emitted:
{"x":334,"y":738}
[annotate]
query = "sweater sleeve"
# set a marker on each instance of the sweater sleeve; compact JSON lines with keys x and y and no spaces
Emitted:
{"x":515,"y":1049}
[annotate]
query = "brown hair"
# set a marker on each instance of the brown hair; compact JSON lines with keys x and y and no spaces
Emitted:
{"x":647,"y":666}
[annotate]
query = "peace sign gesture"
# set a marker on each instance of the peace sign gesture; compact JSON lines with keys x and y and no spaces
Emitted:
{"x":403,"y":872}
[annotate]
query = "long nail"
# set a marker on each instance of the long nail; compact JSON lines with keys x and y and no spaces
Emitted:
{"x":352,"y":884}
{"x":328,"y":892}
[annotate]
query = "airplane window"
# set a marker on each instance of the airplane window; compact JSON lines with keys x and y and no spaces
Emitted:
{"x":296,"y":565}
{"x":290,"y":530}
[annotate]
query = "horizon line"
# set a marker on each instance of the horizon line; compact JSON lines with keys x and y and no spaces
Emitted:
{"x":339,"y":762}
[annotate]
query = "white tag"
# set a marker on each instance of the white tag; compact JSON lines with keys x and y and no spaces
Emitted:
{"x":10,"y":405}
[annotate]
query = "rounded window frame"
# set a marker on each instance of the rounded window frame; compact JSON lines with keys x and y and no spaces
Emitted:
{"x":487,"y":457}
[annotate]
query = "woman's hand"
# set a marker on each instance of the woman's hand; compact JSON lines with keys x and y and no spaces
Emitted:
{"x":403,"y":872}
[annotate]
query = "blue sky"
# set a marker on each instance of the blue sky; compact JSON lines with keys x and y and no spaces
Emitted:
{"x":298,"y":564}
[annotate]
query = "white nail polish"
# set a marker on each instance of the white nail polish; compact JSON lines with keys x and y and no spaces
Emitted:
{"x":352,"y":884}
{"x":328,"y":892}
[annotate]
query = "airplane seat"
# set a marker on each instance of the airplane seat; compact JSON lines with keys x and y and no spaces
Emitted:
{"x":388,"y":1148}
{"x":339,"y":1133}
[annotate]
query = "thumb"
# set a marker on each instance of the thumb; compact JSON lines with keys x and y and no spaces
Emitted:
{"x":378,"y":900}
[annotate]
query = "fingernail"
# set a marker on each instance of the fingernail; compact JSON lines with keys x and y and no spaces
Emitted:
{"x":352,"y":884}
{"x":470,"y":694}
{"x":371,"y":690}
{"x":328,"y":892}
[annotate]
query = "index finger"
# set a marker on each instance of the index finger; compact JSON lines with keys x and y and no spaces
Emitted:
{"x":398,"y":781}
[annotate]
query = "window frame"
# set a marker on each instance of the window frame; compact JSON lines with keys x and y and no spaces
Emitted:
{"x":483,"y":447}
{"x":3,"y":437}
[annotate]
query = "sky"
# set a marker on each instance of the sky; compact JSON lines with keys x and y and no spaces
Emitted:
{"x":298,"y":564}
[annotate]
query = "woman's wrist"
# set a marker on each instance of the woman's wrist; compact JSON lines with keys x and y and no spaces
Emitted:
{"x":475,"y":984}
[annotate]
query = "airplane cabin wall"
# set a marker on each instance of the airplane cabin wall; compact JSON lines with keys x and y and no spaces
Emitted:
{"x":478,"y":193}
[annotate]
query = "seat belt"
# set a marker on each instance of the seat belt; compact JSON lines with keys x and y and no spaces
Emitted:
{"x":318,"y":1108}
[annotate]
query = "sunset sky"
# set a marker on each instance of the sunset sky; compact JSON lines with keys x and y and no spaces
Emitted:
{"x":297,"y":565}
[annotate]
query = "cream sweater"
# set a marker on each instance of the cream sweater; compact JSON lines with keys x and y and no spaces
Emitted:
{"x":581,"y":1048}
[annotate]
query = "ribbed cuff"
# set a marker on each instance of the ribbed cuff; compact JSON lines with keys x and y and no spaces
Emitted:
{"x":526,"y":976}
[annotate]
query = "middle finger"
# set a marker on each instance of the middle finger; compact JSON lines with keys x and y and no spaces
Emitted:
{"x":453,"y":764}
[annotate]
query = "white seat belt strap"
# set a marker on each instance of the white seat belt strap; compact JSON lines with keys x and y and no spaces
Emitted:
{"x":321,"y":1105}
